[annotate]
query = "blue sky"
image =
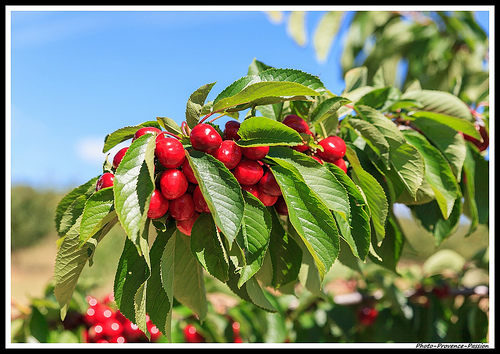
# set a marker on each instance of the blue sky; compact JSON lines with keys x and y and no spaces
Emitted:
{"x":79,"y":75}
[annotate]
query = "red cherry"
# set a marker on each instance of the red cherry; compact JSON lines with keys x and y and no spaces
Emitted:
{"x":112,"y":327}
{"x":185,"y":226}
{"x":269,"y":185}
{"x":153,"y":331}
{"x":334,"y":148}
{"x":169,"y":151}
{"x":231,"y":130}
{"x":254,"y":152}
{"x":173,"y":183}
{"x":97,"y":313}
{"x":442,"y":291}
{"x":248,"y":172}
{"x":205,"y":138}
{"x":188,"y":172}
{"x":281,"y":206}
{"x":367,"y":315}
{"x":131,"y":331}
{"x":228,"y":153}
{"x":254,"y":189}
{"x":146,"y":130}
{"x":182,"y":208}
{"x":296,"y":123}
{"x":158,"y":205}
{"x":200,"y":203}
{"x":266,"y":199}
{"x":106,"y":180}
{"x":191,"y":334}
{"x":341,"y":163}
{"x":119,"y":156}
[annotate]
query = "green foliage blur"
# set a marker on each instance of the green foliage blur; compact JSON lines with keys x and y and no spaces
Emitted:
{"x":32,"y":215}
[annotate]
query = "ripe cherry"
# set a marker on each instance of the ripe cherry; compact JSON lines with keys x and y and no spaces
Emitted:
{"x":317,"y":159}
{"x":106,"y":180}
{"x":200,"y":203}
{"x":296,"y":123}
{"x":269,"y":185}
{"x":188,"y":172}
{"x":158,"y":205}
{"x":205,"y":138}
{"x":341,"y":163}
{"x":182,"y":208}
{"x":252,"y":189}
{"x":248,"y":172}
{"x":146,"y":130}
{"x":228,"y":153}
{"x":367,"y":315}
{"x":265,"y":198}
{"x":231,"y":130}
{"x":280,"y":206}
{"x":185,"y":226}
{"x":173,"y":183}
{"x":119,"y":157}
{"x":334,"y":148}
{"x":191,"y":334}
{"x":254,"y":152}
{"x":169,"y":151}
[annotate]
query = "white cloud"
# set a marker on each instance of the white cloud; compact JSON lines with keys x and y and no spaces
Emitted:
{"x":89,"y":150}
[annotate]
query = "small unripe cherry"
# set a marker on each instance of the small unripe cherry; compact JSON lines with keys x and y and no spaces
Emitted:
{"x":228,"y":153}
{"x":254,"y":152}
{"x":185,"y":226}
{"x":334,"y":148}
{"x":106,"y":180}
{"x":145,"y":130}
{"x":200,"y":203}
{"x":341,"y":163}
{"x":173,"y":183}
{"x":248,"y":172}
{"x":269,"y":185}
{"x":231,"y":130}
{"x":169,"y":151}
{"x":158,"y":205}
{"x":182,"y":208}
{"x":205,"y":138}
{"x":119,"y":157}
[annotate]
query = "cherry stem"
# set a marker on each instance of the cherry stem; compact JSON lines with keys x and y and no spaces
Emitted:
{"x":222,"y":115}
{"x":171,"y":134}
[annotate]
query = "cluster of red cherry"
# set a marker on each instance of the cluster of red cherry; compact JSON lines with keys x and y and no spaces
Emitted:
{"x":191,"y":334}
{"x":177,"y":189}
{"x":104,"y":324}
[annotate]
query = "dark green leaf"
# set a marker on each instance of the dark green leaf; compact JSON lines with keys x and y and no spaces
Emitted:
{"x":257,"y":131}
{"x":195,"y":104}
{"x":99,"y":210}
{"x":125,"y":133}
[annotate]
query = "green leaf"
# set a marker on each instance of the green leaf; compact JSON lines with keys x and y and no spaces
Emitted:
{"x":373,"y":191}
{"x":296,"y":27}
{"x":390,"y":249}
{"x":167,"y":269}
{"x":355,"y":78}
{"x":195,"y":104}
{"x":256,"y":67}
{"x":261,"y":93}
{"x":286,"y":254}
{"x":158,"y":304}
{"x":327,"y":109}
{"x":258,"y":295}
{"x":221,"y":191}
{"x":440,"y":102}
{"x":310,"y":217}
{"x":437,"y":172}
{"x":458,"y":124}
{"x":272,"y":75}
{"x":318,"y":178}
{"x":207,"y":247}
{"x":125,"y":133}
{"x":356,"y":230}
{"x":447,"y":140}
{"x":188,"y":284}
{"x":254,"y":236}
{"x":325,"y":33}
{"x":380,"y":98}
{"x":72,"y":214}
{"x":85,"y":189}
{"x":99,"y":210}
{"x":409,"y":166}
{"x":169,"y":125}
{"x":132,"y":272}
{"x":256,"y":131}
{"x":133,"y":186}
